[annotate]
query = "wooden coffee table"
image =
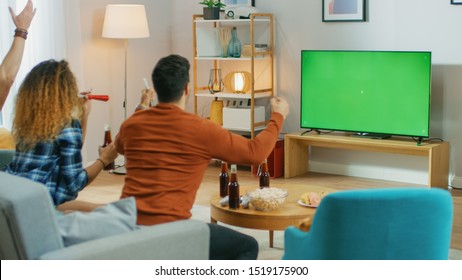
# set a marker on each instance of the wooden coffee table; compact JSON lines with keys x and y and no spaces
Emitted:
{"x":290,"y":213}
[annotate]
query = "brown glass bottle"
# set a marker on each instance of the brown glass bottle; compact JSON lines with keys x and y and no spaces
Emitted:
{"x":107,"y":141}
{"x":264,"y":175}
{"x":233,"y":188}
{"x":224,"y":179}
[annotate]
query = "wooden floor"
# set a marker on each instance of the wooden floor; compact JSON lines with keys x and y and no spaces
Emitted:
{"x":107,"y":188}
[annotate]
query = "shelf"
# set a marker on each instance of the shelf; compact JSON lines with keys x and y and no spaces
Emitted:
{"x":231,"y":58}
{"x":234,"y":95}
{"x":231,"y":21}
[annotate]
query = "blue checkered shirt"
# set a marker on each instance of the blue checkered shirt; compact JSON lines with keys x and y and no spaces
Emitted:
{"x":56,"y":164}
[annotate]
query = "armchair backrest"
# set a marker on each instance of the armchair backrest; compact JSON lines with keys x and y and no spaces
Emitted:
{"x":380,"y":224}
{"x":27,"y":219}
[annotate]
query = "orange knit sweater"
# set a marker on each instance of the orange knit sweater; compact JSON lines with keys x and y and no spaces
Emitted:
{"x":167,"y":151}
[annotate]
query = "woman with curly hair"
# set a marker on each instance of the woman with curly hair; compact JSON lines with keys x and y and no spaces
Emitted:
{"x":49,"y":127}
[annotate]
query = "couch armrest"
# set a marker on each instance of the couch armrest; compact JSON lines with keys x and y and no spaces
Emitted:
{"x":181,"y":240}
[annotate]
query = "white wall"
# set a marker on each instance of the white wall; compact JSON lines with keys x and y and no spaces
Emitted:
{"x":391,"y":25}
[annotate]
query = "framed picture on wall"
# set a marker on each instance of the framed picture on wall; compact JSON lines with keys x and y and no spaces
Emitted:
{"x":456,"y":2}
{"x":343,"y":10}
{"x":235,"y":3}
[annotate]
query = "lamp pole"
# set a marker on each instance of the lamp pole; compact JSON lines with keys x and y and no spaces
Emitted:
{"x":125,"y":21}
{"x":125,"y":80}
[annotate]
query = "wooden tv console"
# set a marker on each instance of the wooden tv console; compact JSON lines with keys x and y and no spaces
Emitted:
{"x":296,"y":152}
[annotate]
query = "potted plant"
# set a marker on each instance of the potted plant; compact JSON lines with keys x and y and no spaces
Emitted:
{"x":212,"y":8}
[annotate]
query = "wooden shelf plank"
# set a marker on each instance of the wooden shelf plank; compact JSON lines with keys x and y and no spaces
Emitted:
{"x":234,"y":95}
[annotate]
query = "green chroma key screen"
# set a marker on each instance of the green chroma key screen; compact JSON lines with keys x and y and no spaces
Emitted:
{"x":366,"y":91}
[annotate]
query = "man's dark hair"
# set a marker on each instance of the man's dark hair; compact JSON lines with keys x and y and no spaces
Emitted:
{"x":170,"y":77}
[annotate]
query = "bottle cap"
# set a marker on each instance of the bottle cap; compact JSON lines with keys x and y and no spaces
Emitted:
{"x":107,"y":127}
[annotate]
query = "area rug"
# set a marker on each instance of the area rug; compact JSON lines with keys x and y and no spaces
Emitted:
{"x":202,"y":213}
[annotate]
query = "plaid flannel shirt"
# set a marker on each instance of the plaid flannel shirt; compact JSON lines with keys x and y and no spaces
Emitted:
{"x":56,"y":164}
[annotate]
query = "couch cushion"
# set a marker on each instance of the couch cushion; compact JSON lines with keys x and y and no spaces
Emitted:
{"x":114,"y":218}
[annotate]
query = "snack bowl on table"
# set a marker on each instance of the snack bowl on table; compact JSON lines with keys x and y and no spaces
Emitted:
{"x":267,"y":199}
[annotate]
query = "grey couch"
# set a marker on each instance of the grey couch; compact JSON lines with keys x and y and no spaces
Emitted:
{"x":29,"y":230}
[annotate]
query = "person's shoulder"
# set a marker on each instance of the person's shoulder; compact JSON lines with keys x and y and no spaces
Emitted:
{"x":73,"y":130}
{"x":75,"y":124}
{"x":73,"y":127}
{"x":205,"y":122}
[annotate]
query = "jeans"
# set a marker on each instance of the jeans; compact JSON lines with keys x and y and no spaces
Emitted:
{"x":228,"y":244}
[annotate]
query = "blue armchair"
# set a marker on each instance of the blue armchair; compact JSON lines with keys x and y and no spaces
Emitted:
{"x":376,"y":224}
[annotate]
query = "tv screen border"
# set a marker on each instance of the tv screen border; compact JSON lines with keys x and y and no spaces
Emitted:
{"x":368,"y":134}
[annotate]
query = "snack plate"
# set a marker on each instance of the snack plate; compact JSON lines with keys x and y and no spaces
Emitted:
{"x":306,"y":205}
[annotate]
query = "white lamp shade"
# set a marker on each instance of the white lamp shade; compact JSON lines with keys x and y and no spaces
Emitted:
{"x":125,"y":22}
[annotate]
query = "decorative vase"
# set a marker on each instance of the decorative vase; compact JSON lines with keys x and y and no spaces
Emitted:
{"x":225,"y":36}
{"x":215,"y":82}
{"x":211,"y":13}
{"x":234,"y":45}
{"x":216,"y":112}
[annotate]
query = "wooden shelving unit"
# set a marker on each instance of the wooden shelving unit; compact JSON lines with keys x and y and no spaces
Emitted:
{"x":252,"y":27}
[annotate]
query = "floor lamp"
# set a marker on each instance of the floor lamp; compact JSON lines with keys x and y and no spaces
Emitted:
{"x":125,"y":22}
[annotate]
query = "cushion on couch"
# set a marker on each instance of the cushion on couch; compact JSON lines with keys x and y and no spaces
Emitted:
{"x":111,"y":219}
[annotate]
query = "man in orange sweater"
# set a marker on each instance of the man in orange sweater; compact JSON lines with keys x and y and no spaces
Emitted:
{"x":167,"y":151}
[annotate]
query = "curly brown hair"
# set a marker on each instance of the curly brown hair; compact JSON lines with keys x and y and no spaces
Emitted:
{"x":47,"y":102}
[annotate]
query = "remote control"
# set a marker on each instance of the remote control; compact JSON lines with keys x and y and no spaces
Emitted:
{"x":146,"y":84}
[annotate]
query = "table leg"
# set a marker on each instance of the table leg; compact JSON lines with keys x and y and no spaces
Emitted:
{"x":271,"y":238}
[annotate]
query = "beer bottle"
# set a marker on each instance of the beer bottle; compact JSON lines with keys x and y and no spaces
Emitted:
{"x":224,"y":179}
{"x":264,"y":175}
{"x":233,"y":189}
{"x":107,"y":141}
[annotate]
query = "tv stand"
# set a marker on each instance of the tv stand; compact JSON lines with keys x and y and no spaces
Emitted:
{"x":371,"y":135}
{"x":296,"y":152}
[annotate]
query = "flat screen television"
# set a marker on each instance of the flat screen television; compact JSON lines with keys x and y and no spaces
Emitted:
{"x":371,"y":93}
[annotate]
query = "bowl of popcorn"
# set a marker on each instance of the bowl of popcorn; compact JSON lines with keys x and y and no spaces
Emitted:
{"x":267,"y":199}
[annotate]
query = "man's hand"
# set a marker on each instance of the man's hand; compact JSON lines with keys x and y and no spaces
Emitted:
{"x":280,"y":105}
{"x":146,"y":97}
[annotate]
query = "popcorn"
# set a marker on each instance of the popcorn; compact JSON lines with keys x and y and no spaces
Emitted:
{"x":267,"y":199}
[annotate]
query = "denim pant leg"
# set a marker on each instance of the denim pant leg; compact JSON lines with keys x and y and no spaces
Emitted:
{"x":228,"y":244}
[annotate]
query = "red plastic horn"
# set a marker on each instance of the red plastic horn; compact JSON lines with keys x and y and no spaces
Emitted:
{"x":100,"y":97}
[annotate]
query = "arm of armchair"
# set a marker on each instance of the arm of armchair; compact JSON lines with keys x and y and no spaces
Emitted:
{"x":188,"y":239}
{"x":295,"y":241}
